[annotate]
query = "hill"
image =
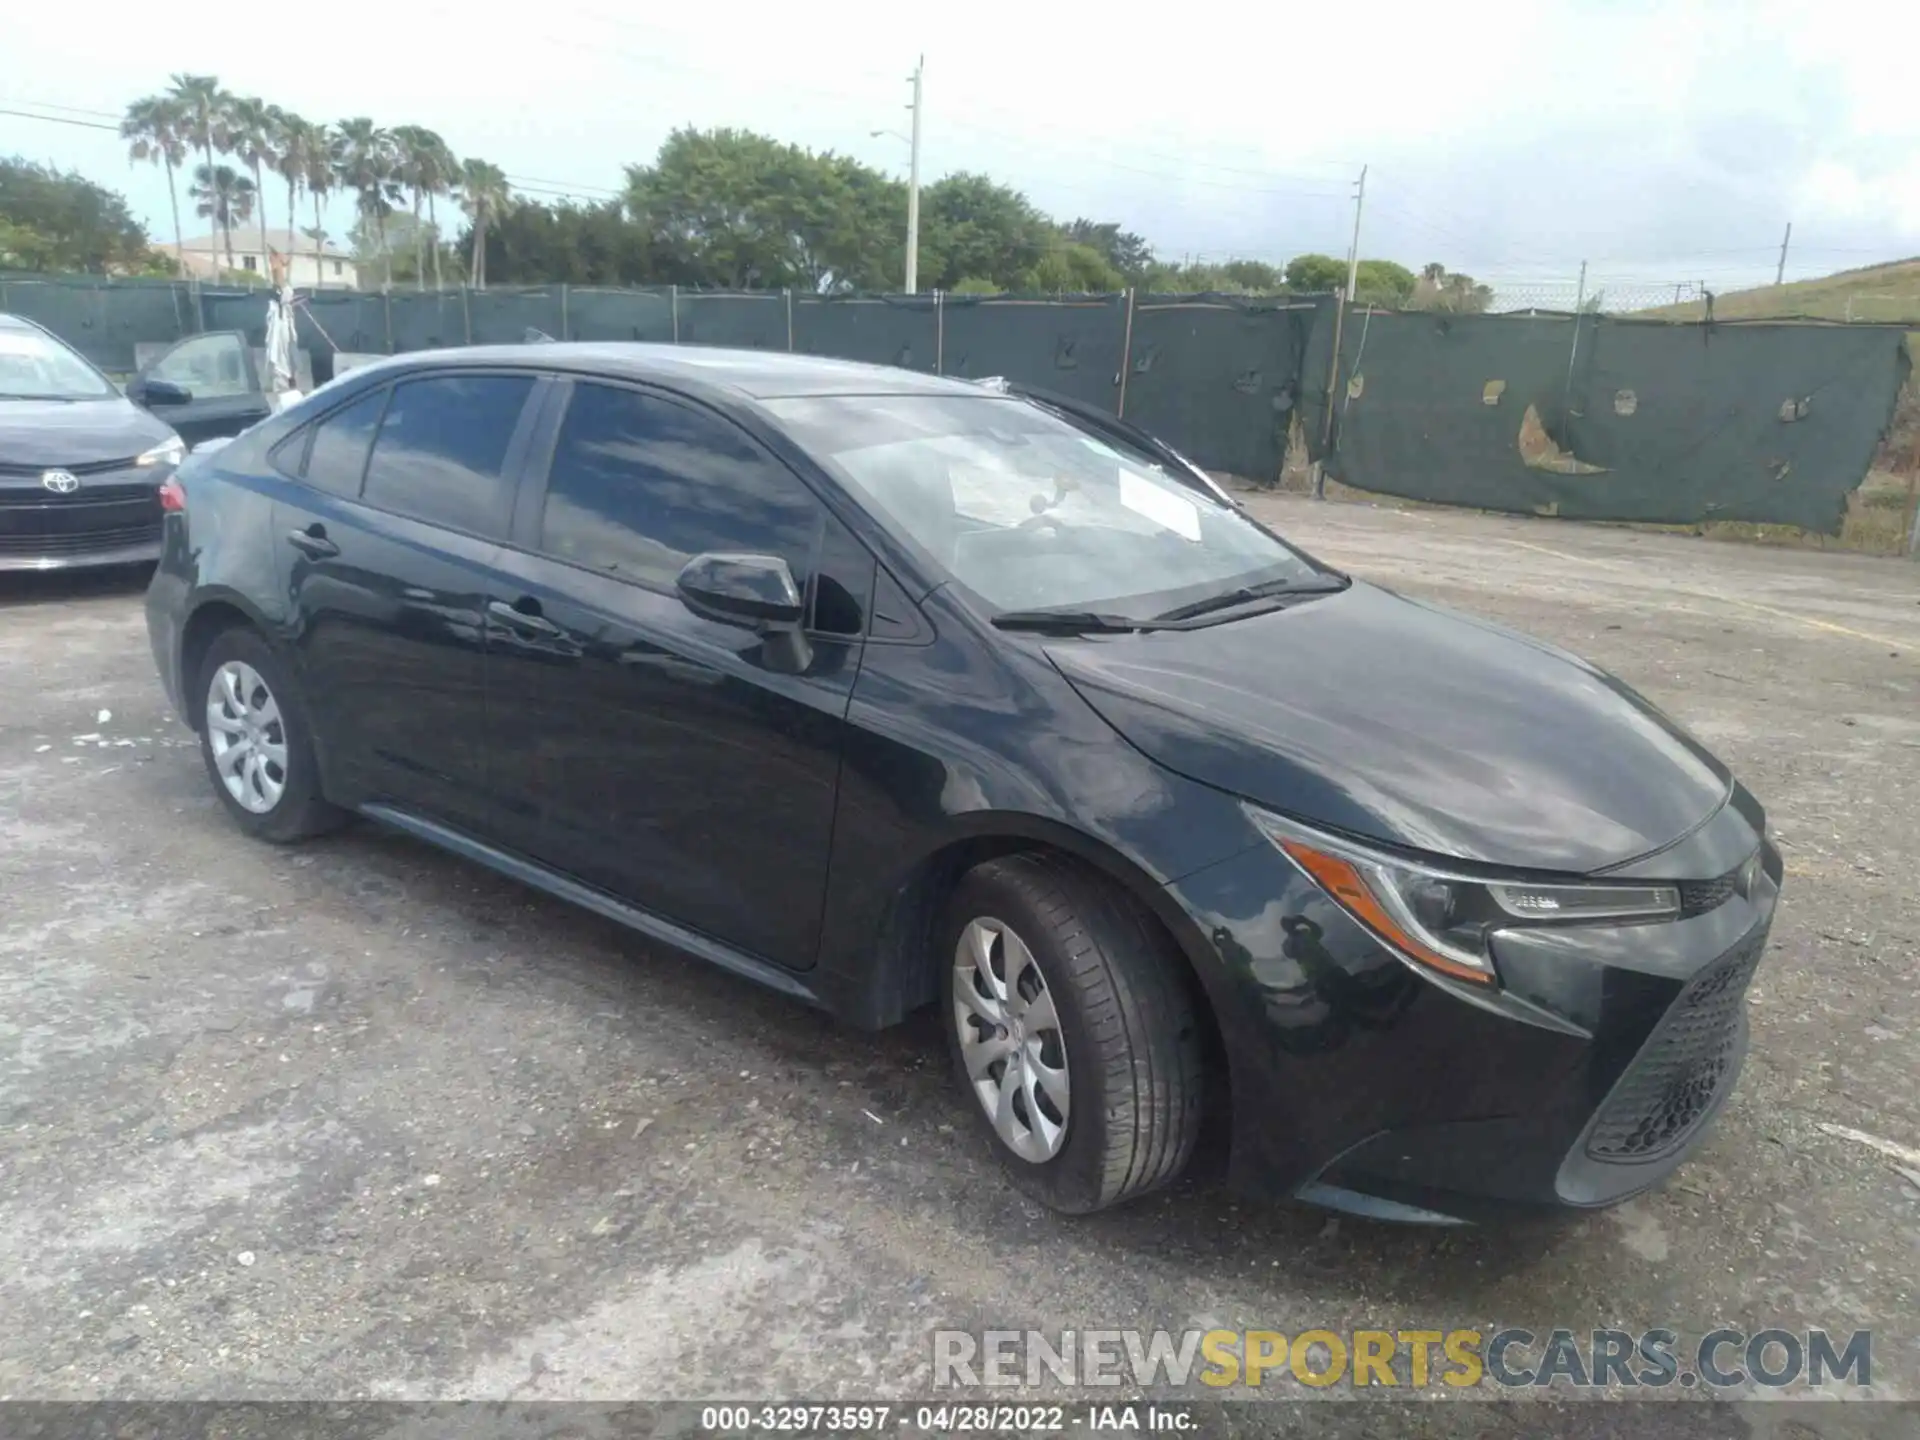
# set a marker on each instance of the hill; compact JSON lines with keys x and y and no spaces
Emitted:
{"x":1887,"y":293}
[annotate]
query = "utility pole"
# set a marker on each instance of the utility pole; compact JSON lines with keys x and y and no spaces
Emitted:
{"x":1780,"y":275}
{"x":1340,"y":304}
{"x":1353,"y":250}
{"x":913,"y":186}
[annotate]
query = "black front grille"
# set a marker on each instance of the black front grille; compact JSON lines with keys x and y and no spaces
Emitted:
{"x":92,"y":467}
{"x":1682,"y":1069}
{"x":80,"y":542}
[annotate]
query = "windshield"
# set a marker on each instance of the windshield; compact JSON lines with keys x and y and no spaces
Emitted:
{"x":1030,"y":512}
{"x":34,"y":366}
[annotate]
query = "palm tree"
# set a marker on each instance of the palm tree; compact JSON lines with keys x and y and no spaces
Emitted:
{"x":203,"y":112}
{"x":253,"y":134}
{"x":483,"y":195}
{"x":224,"y":196}
{"x":320,"y":179}
{"x":152,"y":128}
{"x":364,"y":159}
{"x":414,"y":154}
{"x":202,"y":109}
{"x":441,"y":172}
{"x":300,"y":142}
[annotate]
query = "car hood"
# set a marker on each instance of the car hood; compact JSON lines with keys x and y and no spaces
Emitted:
{"x":77,"y":432}
{"x":1383,"y":717}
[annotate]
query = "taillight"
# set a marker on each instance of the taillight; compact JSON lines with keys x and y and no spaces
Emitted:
{"x":173,"y":495}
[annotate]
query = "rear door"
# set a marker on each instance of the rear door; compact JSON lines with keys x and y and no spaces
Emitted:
{"x":217,"y":371}
{"x":389,"y":557}
{"x":669,"y":759}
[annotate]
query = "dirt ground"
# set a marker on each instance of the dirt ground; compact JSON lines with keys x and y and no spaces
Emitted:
{"x":361,"y":1120}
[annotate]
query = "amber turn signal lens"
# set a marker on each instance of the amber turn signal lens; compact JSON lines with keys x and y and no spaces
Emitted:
{"x":1343,"y":881}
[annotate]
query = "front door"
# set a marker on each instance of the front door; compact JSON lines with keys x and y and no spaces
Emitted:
{"x":389,"y":556}
{"x":217,"y":372}
{"x":669,"y":759}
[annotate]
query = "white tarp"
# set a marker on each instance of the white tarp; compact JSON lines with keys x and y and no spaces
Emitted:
{"x":280,"y":361}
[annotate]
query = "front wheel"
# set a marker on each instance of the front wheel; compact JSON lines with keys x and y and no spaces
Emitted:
{"x":1072,"y":1032}
{"x":256,"y":743}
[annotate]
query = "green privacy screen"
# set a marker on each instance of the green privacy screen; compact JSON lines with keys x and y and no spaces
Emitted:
{"x":902,"y":330}
{"x":101,"y":319}
{"x":1600,"y":418}
{"x":1219,"y":377}
{"x":1634,"y":420}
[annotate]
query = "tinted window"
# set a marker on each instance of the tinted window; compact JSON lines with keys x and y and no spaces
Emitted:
{"x":640,"y":485}
{"x":339,"y":453}
{"x":442,"y":448}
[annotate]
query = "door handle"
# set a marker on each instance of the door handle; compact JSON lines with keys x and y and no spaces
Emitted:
{"x":523,"y":614}
{"x":313,"y":542}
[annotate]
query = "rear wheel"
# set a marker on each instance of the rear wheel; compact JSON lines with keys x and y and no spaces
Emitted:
{"x":256,"y":743}
{"x":1071,"y":1031}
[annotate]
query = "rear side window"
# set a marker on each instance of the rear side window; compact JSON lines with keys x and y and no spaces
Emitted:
{"x":338,"y":456}
{"x":442,"y":450}
{"x":641,"y":484}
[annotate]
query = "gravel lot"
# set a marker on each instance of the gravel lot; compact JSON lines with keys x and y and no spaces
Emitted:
{"x":359,"y":1119}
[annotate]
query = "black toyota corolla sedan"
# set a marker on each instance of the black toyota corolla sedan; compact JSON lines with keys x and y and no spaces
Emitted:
{"x":80,"y":464}
{"x":892,"y":691}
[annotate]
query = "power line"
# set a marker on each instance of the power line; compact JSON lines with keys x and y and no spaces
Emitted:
{"x":62,"y":120}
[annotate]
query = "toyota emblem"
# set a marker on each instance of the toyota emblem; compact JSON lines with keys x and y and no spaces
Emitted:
{"x":61,"y":482}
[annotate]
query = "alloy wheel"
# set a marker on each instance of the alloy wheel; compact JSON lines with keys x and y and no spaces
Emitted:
{"x":1010,"y":1039}
{"x":248,"y":737}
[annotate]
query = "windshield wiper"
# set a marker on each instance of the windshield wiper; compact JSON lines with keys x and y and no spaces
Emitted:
{"x":1072,"y":622}
{"x":1272,"y":589}
{"x":21,"y":395}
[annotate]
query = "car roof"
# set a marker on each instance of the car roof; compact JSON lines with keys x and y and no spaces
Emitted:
{"x":16,"y":322}
{"x":752,"y":374}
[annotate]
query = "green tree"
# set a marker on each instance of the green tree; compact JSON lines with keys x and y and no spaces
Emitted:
{"x":1437,"y":288}
{"x":1254,"y":277}
{"x":153,"y":128}
{"x":484,"y":193}
{"x":972,"y":226}
{"x":364,"y":160}
{"x":224,"y":196}
{"x":737,"y":209}
{"x":1070,"y":269}
{"x":579,"y":244}
{"x":253,"y":136}
{"x":1314,"y":274}
{"x":52,"y":219}
{"x":1382,"y":282}
{"x":1125,"y":251}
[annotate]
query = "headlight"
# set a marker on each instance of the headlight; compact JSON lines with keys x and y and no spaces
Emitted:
{"x":1439,"y":918}
{"x":169,"y":452}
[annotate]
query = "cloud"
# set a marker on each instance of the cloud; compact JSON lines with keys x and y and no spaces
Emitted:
{"x":1673,"y":140}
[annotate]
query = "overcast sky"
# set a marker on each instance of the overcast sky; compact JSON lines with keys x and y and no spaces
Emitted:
{"x":1662,"y":142}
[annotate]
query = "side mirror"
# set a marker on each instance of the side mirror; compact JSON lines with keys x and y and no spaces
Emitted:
{"x":143,"y":390}
{"x":756,"y":591}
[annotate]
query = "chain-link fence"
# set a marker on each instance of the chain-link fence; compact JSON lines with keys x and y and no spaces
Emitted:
{"x":1599,"y":296}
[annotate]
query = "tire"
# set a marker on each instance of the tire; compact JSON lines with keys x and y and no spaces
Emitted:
{"x":279,"y":798}
{"x":1125,"y":1020}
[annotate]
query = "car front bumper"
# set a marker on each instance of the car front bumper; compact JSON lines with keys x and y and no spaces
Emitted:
{"x":1362,"y":1084}
{"x":143,"y":552}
